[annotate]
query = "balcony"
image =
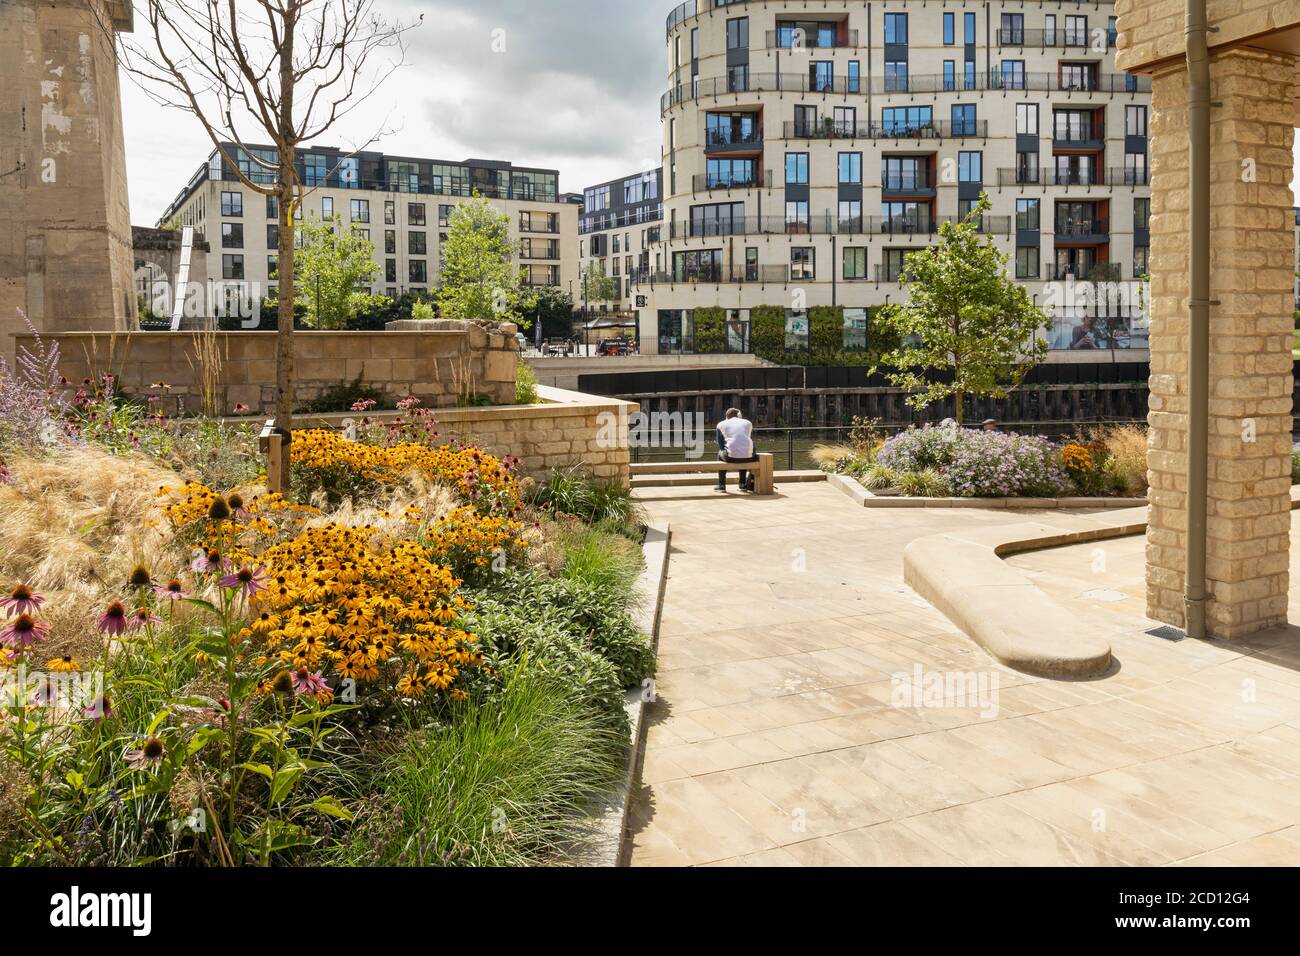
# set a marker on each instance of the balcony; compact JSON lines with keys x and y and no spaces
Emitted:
{"x":804,"y":40}
{"x":703,"y":182}
{"x":1079,"y":139}
{"x":907,"y":184}
{"x":1088,"y":231}
{"x":827,"y":128}
{"x":1061,"y":39}
{"x":723,"y":140}
{"x":717,"y":275}
{"x":1096,"y":272}
{"x":828,"y":223}
{"x":1048,"y":176}
{"x":1105,"y":83}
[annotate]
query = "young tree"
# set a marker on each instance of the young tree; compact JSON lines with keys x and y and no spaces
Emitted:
{"x":596,"y":286}
{"x":964,"y":315}
{"x":480,"y":282}
{"x":335,"y":264}
{"x":285,"y":70}
{"x":552,"y":307}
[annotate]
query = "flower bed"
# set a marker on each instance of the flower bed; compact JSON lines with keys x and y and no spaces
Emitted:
{"x":947,"y":462}
{"x":416,"y":658}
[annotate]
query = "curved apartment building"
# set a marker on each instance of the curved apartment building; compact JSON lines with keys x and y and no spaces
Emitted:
{"x":808,"y":147}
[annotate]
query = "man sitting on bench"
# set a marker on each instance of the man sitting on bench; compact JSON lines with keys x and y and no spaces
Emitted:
{"x":736,"y":446}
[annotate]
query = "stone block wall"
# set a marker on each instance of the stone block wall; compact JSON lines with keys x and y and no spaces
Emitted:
{"x":1250,"y":402}
{"x":438,"y":366}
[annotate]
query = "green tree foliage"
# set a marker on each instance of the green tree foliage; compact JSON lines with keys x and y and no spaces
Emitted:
{"x":596,"y":286}
{"x":964,"y":316}
{"x":480,"y":281}
{"x":550,"y":305}
{"x":334,"y":266}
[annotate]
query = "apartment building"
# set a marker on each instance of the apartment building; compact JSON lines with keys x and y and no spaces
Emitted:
{"x":403,"y":205}
{"x":620,"y":231}
{"x":809,"y":149}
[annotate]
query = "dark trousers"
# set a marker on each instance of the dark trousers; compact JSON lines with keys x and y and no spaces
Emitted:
{"x":744,"y":475}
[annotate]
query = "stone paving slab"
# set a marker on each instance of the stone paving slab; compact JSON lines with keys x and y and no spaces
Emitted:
{"x":777,"y":739}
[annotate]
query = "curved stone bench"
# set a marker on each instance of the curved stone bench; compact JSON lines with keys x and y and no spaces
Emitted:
{"x":962,"y":574}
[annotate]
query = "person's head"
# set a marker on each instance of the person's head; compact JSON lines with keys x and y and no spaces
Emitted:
{"x":734,"y":413}
{"x":990,"y":425}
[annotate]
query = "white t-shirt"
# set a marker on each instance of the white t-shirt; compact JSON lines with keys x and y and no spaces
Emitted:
{"x":738,"y":434}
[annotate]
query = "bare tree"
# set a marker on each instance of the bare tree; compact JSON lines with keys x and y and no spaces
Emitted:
{"x":286,"y":71}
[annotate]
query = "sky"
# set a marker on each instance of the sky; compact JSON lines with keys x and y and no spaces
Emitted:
{"x":572,"y":85}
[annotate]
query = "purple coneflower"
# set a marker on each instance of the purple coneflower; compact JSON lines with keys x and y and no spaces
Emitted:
{"x":173,"y":590}
{"x":23,"y":631}
{"x":241,"y":408}
{"x":143,"y":617}
{"x":100,"y":709}
{"x":5,"y":476}
{"x":148,"y":754}
{"x":113,"y":620}
{"x":308,"y":684}
{"x":248,"y":580}
{"x":209,"y":560}
{"x":22,"y":600}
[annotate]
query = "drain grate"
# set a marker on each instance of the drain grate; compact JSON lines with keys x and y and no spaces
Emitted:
{"x":1167,"y":632}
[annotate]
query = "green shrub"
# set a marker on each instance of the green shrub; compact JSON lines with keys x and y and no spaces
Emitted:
{"x":923,"y":484}
{"x":878,"y":478}
{"x":525,"y":384}
{"x":501,"y":783}
{"x":573,"y":490}
{"x":599,"y":559}
{"x":710,"y":335}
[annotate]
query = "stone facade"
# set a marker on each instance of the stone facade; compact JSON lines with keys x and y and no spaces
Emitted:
{"x":1252,"y":284}
{"x":65,"y":247}
{"x":567,"y":428}
{"x":437,"y":366}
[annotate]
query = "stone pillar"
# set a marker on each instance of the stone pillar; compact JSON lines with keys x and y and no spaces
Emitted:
{"x":1252,"y":280}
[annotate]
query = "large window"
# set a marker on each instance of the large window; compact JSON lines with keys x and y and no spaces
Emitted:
{"x":415,"y":214}
{"x":232,"y":204}
{"x":701,"y":265}
{"x":850,"y":219}
{"x":418,"y":271}
{"x":232,"y":235}
{"x":232,"y":266}
{"x":796,"y":169}
{"x":970,"y":167}
{"x":905,"y":121}
{"x":1028,"y":259}
{"x":1028,"y":215}
{"x":738,"y":34}
{"x":850,"y":169}
{"x":896,"y":28}
{"x":949,"y":29}
{"x":360,"y":210}
{"x":803,"y":264}
{"x":855,"y":262}
{"x":963,"y":119}
{"x":1027,"y":119}
{"x":416,"y":244}
{"x":1135,"y":120}
{"x":717,"y":219}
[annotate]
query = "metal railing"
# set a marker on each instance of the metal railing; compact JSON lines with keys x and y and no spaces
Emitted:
{"x":939,"y":129}
{"x":1050,"y":176}
{"x":1097,"y":272}
{"x":906,"y":182}
{"x":794,"y":38}
{"x":1097,"y":39}
{"x":716,"y":137}
{"x":716,"y":275}
{"x":826,"y":224}
{"x":1083,"y":227}
{"x":994,"y":81}
{"x":706,"y":182}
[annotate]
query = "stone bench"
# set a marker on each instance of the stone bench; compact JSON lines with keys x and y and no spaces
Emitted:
{"x":763,"y":470}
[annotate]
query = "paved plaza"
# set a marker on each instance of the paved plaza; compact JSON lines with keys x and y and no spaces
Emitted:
{"x":781,"y":737}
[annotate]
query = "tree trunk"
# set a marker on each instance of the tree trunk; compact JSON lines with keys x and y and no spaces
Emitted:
{"x":284,"y":353}
{"x":960,"y":396}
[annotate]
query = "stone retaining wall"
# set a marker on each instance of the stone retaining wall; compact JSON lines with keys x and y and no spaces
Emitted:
{"x":437,"y":365}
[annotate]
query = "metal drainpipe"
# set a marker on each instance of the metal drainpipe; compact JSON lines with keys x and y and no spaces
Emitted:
{"x":1198,"y":365}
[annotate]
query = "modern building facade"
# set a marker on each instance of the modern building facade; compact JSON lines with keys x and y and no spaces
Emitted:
{"x":620,"y":233}
{"x":808,"y":150}
{"x":403,"y":205}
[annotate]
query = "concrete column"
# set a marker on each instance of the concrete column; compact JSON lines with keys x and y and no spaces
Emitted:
{"x":1252,"y":235}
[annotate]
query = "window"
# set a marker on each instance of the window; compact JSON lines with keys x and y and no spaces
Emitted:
{"x":415,"y":214}
{"x":615,"y":250}
{"x":1027,"y":119}
{"x":1141,"y":260}
{"x":1135,"y":169}
{"x":326,"y":209}
{"x":360,"y":210}
{"x":232,"y":235}
{"x":1135,"y":120}
{"x":803,"y":264}
{"x":738,"y":34}
{"x":970,"y":167}
{"x":855,"y":76}
{"x":418,"y":271}
{"x":390,"y":270}
{"x":232,"y":204}
{"x":850,"y":219}
{"x":1013,"y":74}
{"x":855,"y":262}
{"x":969,"y":22}
{"x":895,"y":76}
{"x":444,"y":216}
{"x":1028,"y":262}
{"x":737,"y":79}
{"x":894,"y":262}
{"x":313,"y":169}
{"x":821,"y":76}
{"x":796,"y":169}
{"x":272,"y":207}
{"x":232,"y":267}
{"x":796,"y":217}
{"x":1013,"y":29}
{"x":273,"y":267}
{"x":416,"y":244}
{"x":963,"y":120}
{"x":390,"y":242}
{"x":850,"y":169}
{"x":1141,"y":213}
{"x":949,"y":29}
{"x":906,"y":217}
{"x":969,"y":75}
{"x":899,"y":173}
{"x":949,"y":75}
{"x":390,"y":213}
{"x":272,"y":236}
{"x":704,"y":264}
{"x":719,"y":219}
{"x":896,"y":28}
{"x":855,"y":330}
{"x":1027,"y":215}
{"x":906,"y":121}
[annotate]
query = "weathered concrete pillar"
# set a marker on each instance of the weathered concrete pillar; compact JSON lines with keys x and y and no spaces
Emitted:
{"x":1252,"y":280}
